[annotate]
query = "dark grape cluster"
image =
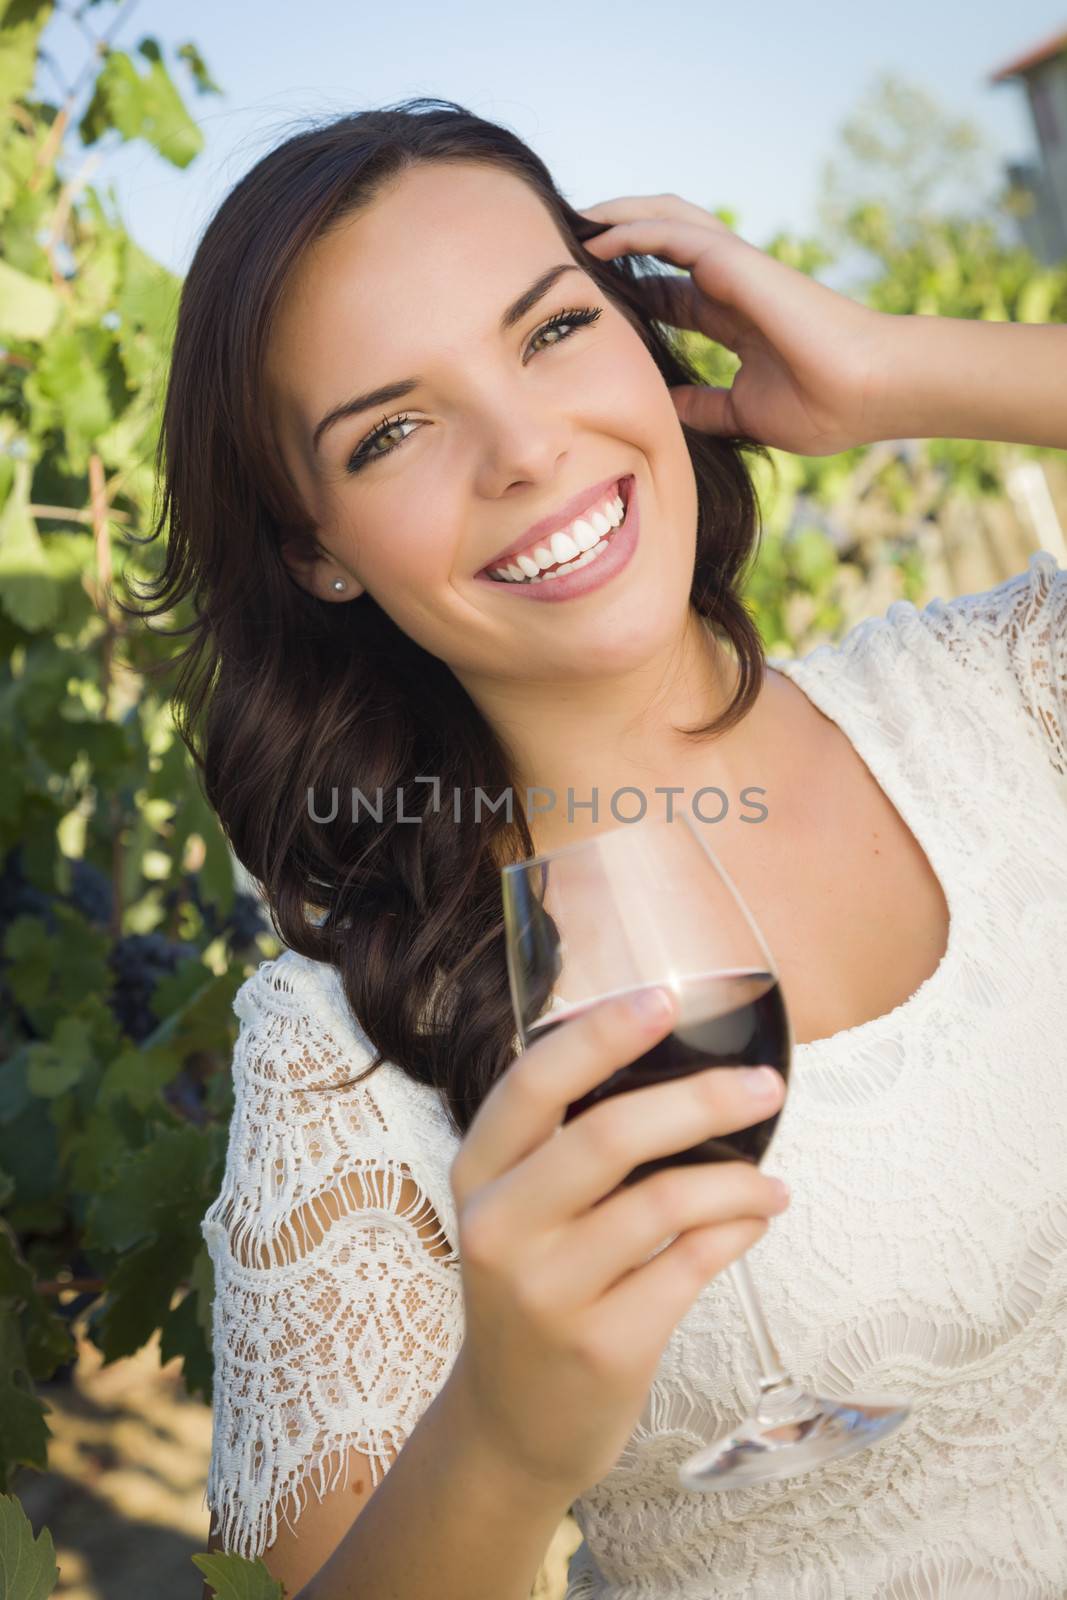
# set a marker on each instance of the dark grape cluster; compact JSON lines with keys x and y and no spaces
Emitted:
{"x":185,"y":889}
{"x":19,"y":897}
{"x":247,"y":917}
{"x":245,"y":920}
{"x":90,"y":892}
{"x":138,"y":961}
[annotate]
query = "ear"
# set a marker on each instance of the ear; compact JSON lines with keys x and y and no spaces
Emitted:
{"x":318,"y":574}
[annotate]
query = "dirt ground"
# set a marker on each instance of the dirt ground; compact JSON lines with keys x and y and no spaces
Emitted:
{"x":124,"y":1495}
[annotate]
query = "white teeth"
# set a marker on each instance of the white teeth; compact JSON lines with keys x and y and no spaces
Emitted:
{"x":582,"y":541}
{"x":572,"y":566}
{"x":564,"y":547}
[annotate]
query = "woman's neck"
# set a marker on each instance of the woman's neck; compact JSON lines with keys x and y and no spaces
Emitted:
{"x":597,"y":737}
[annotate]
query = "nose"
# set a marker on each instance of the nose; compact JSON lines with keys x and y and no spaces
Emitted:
{"x":524,"y":440}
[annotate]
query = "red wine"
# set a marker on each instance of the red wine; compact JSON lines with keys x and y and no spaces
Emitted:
{"x":727,"y":1019}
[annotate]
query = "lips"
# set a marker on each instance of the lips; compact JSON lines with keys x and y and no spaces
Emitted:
{"x":586,"y":575}
{"x":539,"y":532}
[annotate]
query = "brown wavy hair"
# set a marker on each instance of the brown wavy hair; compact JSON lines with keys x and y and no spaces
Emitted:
{"x":280,"y":694}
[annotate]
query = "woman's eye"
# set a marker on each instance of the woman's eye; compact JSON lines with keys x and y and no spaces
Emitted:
{"x":563,"y":323}
{"x":567,"y":319}
{"x":367,"y":449}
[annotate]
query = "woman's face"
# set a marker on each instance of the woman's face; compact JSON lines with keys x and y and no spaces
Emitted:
{"x":502,"y":428}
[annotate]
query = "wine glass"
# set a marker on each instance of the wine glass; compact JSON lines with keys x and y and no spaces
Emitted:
{"x":648,"y":904}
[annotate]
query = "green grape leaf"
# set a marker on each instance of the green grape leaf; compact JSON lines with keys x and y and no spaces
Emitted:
{"x":60,"y":1063}
{"x":28,"y":593}
{"x":96,"y":1151}
{"x":201,"y":1021}
{"x":184,"y":1334}
{"x":28,"y":1568}
{"x":43,"y":1335}
{"x":161,"y":1190}
{"x":140,"y":1290}
{"x":51,"y":1074}
{"x":28,"y":947}
{"x":140,"y":106}
{"x":29,"y":1151}
{"x":14,"y":1089}
{"x":68,"y":388}
{"x":81,"y":967}
{"x":24,"y":1435}
{"x":28,"y":307}
{"x":234,"y":1578}
{"x":138,"y":1075}
{"x":148,"y":297}
{"x":205,"y":83}
{"x":19,"y":33}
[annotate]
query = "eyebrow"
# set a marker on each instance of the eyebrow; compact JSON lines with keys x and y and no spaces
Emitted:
{"x":396,"y":391}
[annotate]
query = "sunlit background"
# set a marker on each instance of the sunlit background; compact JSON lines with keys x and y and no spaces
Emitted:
{"x":719,"y":103}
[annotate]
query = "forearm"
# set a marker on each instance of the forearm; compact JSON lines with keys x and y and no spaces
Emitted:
{"x":950,"y":378}
{"x":449,"y":1521}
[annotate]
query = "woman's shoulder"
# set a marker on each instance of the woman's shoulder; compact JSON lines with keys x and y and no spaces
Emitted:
{"x":980,"y":628}
{"x":1009,"y":642}
{"x":1009,"y":622}
{"x":310,"y":1105}
{"x":298,"y":1037}
{"x":285,"y":985}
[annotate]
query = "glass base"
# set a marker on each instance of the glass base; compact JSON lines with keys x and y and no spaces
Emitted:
{"x":790,"y":1432}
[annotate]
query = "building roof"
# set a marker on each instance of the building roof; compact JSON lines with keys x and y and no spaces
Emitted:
{"x":1025,"y":63}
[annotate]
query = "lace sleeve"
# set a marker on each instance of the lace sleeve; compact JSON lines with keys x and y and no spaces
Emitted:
{"x":1024,"y":620}
{"x":337,"y":1309}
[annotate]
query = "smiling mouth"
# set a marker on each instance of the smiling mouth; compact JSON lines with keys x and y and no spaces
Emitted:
{"x":570,"y":548}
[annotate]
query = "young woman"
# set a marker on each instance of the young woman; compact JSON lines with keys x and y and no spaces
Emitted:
{"x":402,"y":363}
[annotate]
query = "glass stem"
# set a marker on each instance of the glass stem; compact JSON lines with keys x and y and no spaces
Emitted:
{"x":781,"y":1401}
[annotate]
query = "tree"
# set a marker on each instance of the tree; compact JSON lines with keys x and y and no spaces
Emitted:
{"x":903,"y":152}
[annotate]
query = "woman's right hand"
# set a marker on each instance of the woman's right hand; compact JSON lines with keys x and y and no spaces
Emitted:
{"x":566,"y":1317}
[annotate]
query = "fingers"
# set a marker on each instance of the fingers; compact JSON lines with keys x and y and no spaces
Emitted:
{"x":558,"y":1182}
{"x":707,"y":409}
{"x":633,"y":207}
{"x":526,"y":1106}
{"x":708,"y":253}
{"x":674,"y":298}
{"x":669,"y":1284}
{"x":622,"y":1233}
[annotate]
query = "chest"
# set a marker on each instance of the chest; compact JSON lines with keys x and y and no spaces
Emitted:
{"x":841,"y":889}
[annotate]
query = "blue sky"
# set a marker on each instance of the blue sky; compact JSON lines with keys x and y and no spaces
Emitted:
{"x":728,"y":105}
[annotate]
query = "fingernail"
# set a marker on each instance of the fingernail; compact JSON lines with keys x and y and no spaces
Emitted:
{"x":763,"y":1082}
{"x":782,"y":1193}
{"x":651,"y":1005}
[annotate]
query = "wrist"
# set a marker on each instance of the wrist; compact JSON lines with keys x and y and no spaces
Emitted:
{"x":493,"y":1463}
{"x":966,"y":378}
{"x":894,"y":391}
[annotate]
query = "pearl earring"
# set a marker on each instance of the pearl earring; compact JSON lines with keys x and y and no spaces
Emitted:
{"x":338,"y":583}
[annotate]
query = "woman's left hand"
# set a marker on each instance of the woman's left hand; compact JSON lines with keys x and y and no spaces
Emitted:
{"x":810,"y":358}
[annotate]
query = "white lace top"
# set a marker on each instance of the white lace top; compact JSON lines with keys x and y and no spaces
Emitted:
{"x":925,"y":1251}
